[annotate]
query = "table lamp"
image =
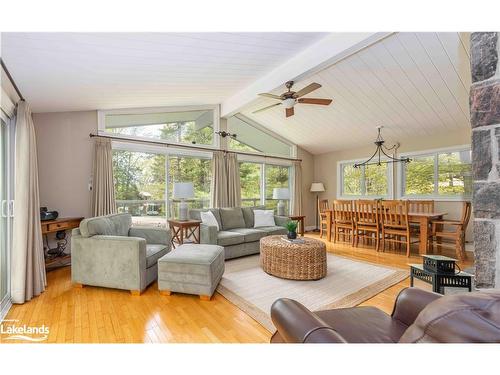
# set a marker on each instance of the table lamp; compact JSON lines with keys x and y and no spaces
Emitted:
{"x":317,"y":187}
{"x":183,"y":191}
{"x":281,"y":194}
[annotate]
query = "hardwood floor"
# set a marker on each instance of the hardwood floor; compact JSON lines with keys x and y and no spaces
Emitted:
{"x":100,"y":315}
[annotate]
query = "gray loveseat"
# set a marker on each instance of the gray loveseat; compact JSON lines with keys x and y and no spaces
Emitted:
{"x":237,"y":235}
{"x":108,"y":251}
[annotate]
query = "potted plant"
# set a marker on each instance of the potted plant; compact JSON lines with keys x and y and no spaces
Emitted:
{"x":291,"y":226}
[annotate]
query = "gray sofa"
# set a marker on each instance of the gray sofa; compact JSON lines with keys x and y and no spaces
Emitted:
{"x":237,"y":235}
{"x":108,"y":251}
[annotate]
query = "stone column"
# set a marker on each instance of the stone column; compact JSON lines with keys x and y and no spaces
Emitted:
{"x":485,"y":122}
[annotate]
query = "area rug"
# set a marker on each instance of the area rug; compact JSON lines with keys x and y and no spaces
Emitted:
{"x":347,"y":284}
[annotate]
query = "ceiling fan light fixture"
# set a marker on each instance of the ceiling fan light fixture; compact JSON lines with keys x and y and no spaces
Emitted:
{"x":289,"y":103}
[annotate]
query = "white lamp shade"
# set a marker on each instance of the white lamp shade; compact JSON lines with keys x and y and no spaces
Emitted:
{"x":183,"y":190}
{"x":317,"y":187}
{"x":281,"y":193}
{"x":288,"y":103}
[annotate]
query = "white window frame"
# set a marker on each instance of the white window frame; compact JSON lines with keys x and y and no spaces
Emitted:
{"x":101,"y":123}
{"x":340,"y":181}
{"x":435,"y":153}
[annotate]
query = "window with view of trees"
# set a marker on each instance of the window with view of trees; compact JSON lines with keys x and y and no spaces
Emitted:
{"x":190,"y":126}
{"x":439,"y":174}
{"x":275,"y":176}
{"x":140,"y":184}
{"x":250,"y":180}
{"x":367,"y":180}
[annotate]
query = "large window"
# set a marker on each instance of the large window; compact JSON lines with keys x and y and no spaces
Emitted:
{"x":258,"y":181}
{"x":276,"y":177}
{"x":439,"y":174}
{"x":140,"y":184}
{"x":189,"y":125}
{"x":369,"y":180}
{"x":189,"y":169}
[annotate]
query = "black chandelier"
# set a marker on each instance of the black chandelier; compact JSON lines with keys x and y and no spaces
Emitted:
{"x":380,"y":153}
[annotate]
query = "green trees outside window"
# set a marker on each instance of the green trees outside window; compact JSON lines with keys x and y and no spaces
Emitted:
{"x":250,"y":181}
{"x":367,"y":180}
{"x":446,"y":174}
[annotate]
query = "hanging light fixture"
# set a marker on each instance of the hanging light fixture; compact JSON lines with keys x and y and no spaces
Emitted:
{"x":380,"y":153}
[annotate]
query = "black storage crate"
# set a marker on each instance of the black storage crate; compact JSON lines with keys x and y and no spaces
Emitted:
{"x":439,"y":264}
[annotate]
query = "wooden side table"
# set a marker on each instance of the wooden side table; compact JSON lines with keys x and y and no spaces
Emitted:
{"x":300,"y":219}
{"x":182,"y":229}
{"x":59,"y":259}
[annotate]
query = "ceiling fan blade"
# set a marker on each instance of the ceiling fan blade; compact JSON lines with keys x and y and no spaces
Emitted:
{"x":265,"y":108}
{"x":315,"y":101}
{"x":307,"y":89}
{"x":272,"y":96}
{"x":289,"y":112}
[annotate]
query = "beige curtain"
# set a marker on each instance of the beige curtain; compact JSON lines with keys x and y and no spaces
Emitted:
{"x":233,"y":181}
{"x":103,"y":188}
{"x":297,"y":189}
{"x":225,"y":188}
{"x":28,"y":265}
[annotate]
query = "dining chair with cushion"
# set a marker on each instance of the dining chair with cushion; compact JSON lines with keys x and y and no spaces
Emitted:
{"x":453,"y":230}
{"x":395,"y":224}
{"x":323,"y":207}
{"x":367,"y":221}
{"x":343,"y":220}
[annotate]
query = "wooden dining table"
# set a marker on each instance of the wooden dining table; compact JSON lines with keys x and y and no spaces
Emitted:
{"x":423,"y":219}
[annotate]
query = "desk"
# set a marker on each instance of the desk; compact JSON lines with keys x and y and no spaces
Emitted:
{"x":60,"y":259}
{"x":300,"y":220}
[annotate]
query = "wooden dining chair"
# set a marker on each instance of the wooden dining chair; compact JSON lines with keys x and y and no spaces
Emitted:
{"x":343,"y":220}
{"x":455,"y":231}
{"x":420,"y":206}
{"x":395,"y":224}
{"x":323,"y":206}
{"x":367,"y":223}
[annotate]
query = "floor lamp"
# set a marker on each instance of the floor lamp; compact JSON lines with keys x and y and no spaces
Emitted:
{"x":317,"y":187}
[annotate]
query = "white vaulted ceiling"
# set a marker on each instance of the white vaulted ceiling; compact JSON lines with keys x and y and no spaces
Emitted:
{"x":414,"y":84}
{"x":81,"y":71}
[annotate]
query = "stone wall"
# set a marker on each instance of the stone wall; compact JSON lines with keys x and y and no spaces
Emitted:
{"x":485,"y":122}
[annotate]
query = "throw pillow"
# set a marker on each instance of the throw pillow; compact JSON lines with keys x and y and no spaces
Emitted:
{"x":263,"y":218}
{"x":208,"y":218}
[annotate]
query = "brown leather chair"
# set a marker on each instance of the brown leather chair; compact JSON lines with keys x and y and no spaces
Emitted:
{"x":419,"y":316}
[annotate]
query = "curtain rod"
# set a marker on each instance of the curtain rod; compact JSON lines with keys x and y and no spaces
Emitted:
{"x":159,"y":143}
{"x":11,"y":79}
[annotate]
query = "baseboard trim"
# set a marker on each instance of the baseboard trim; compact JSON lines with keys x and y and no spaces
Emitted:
{"x":310,"y":228}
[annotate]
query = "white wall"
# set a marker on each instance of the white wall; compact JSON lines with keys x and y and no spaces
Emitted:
{"x":325,"y":165}
{"x":65,"y":160}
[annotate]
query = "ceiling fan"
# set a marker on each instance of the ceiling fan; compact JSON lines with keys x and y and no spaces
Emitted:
{"x":290,"y":98}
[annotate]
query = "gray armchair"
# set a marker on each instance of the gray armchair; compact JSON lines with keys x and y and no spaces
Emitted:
{"x":107,"y":251}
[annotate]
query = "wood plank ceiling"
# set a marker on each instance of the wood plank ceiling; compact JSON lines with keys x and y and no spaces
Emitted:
{"x":413,"y":84}
{"x":88,"y":71}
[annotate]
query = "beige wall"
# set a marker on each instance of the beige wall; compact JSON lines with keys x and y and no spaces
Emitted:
{"x":65,"y":160}
{"x":308,"y":199}
{"x":325,"y":165}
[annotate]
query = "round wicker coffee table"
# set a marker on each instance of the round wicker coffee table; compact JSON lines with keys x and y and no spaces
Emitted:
{"x":305,"y":261}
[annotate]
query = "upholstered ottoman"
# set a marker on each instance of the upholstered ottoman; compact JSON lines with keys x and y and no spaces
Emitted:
{"x":192,"y":269}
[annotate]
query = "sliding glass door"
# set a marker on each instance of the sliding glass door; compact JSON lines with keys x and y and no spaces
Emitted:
{"x":5,"y":215}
